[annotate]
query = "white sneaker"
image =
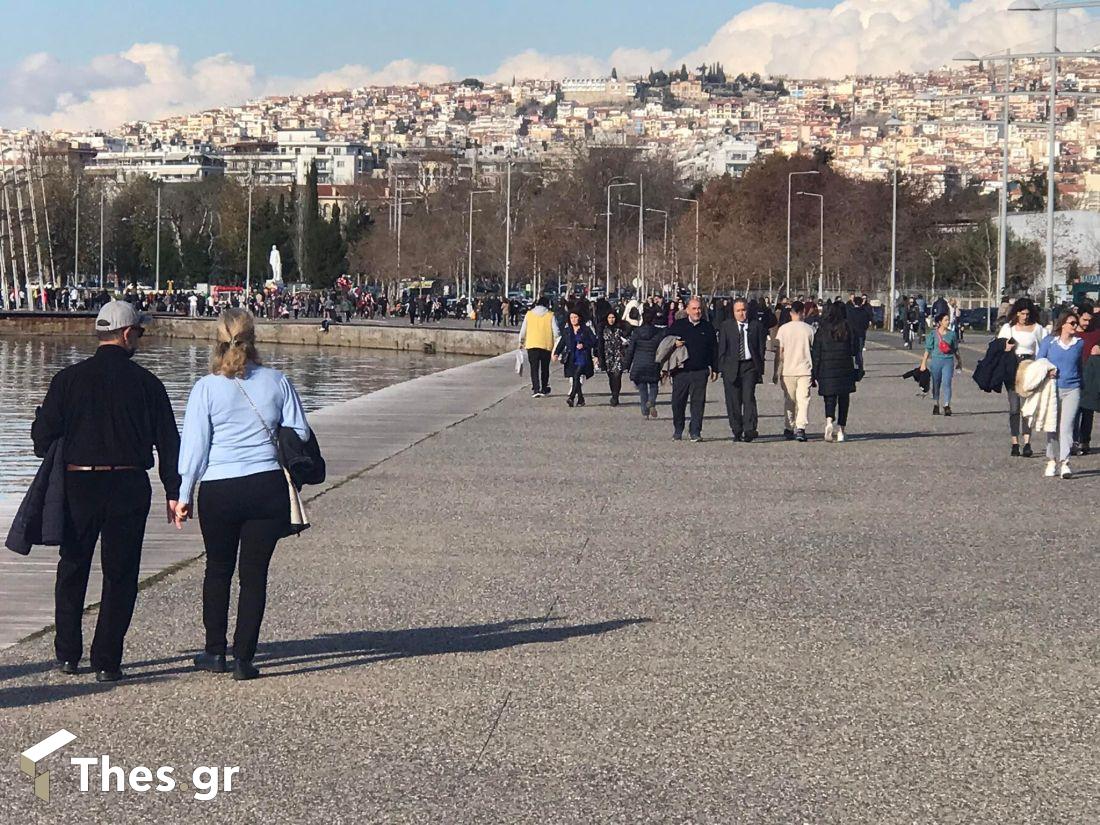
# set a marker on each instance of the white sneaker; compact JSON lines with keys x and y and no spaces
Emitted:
{"x":839,"y":436}
{"x":1052,"y":469}
{"x":1066,"y":472}
{"x":828,"y":429}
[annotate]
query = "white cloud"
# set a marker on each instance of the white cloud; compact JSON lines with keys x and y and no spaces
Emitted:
{"x":873,"y":36}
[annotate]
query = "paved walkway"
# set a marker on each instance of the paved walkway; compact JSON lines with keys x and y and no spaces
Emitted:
{"x":554,"y":615}
{"x":355,"y":435}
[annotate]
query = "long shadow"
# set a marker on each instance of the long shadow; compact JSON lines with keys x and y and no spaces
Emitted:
{"x":83,"y":685}
{"x":898,"y":436}
{"x":333,"y":651}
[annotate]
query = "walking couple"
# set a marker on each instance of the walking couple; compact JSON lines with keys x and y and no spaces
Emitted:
{"x":97,"y":428}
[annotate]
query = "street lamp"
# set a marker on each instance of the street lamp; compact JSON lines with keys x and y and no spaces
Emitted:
{"x":821,"y":248}
{"x":248,"y":240}
{"x":695,"y":266}
{"x":789,"y":177}
{"x":607,"y":247}
{"x":160,"y":185}
{"x":1052,"y":138}
{"x":102,"y":204}
{"x":894,"y":123}
{"x":470,"y":247}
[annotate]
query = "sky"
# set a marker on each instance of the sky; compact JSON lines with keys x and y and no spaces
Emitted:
{"x":75,"y":65}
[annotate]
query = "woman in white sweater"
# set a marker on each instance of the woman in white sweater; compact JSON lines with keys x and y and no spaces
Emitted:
{"x":1024,"y":336}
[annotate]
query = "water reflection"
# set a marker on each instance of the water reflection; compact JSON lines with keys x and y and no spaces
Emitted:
{"x":323,"y":376}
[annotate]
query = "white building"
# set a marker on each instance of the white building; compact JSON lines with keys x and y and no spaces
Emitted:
{"x":287,"y":159}
{"x":170,"y":165}
{"x":597,"y":89}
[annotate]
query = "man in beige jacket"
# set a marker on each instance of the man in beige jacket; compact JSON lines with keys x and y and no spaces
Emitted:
{"x":793,"y":368}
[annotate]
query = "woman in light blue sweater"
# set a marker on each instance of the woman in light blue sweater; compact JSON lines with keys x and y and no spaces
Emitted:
{"x":1063,"y":349}
{"x":228,"y":444}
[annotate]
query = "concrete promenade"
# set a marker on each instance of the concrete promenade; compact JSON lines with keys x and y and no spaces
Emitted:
{"x":550,"y":615}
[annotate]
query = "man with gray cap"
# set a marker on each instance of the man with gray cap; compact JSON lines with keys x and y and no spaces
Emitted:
{"x":110,"y":413}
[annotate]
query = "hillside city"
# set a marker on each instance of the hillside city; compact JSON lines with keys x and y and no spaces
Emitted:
{"x":944,"y":125}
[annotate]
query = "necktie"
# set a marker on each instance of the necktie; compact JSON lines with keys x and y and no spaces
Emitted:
{"x":741,"y":354}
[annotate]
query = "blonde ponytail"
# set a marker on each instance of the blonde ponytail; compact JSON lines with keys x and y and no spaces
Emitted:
{"x":236,"y":346}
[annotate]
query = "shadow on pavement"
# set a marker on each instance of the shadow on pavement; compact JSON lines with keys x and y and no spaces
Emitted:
{"x":83,"y":684}
{"x":898,"y":436}
{"x":332,"y":651}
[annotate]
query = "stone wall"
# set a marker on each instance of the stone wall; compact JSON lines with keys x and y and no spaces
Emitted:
{"x":388,"y":336}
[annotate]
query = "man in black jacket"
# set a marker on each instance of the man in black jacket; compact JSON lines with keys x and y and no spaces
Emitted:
{"x":111,"y":413}
{"x":690,"y":381}
{"x":858,"y":315}
{"x":741,"y":346}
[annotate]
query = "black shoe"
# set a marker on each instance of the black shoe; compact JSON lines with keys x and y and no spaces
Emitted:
{"x":580,"y":400}
{"x":536,"y":394}
{"x":569,"y":401}
{"x":1015,"y":450}
{"x":1075,"y":449}
{"x":108,"y":675}
{"x":750,"y":436}
{"x":935,"y":409}
{"x":1084,"y":448}
{"x":614,"y":402}
{"x":695,"y":439}
{"x":1026,"y":452}
{"x":789,"y":435}
{"x":800,"y":435}
{"x":69,"y":667}
{"x":737,"y":437}
{"x":947,"y":409}
{"x":211,"y":662}
{"x":243,"y":671}
{"x":677,"y":436}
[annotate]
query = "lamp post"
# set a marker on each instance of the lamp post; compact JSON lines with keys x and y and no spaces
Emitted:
{"x":160,"y":185}
{"x":508,"y":232}
{"x":102,"y":204}
{"x":470,"y":248}
{"x":789,"y":178}
{"x":607,"y":245}
{"x":821,"y":247}
{"x":894,"y":123}
{"x":695,"y":266}
{"x":248,"y":240}
{"x":1052,"y":138}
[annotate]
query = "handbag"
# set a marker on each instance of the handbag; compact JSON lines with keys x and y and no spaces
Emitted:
{"x":299,"y":521}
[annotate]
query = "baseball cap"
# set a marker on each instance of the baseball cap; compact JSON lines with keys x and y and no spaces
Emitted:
{"x":119,"y":315}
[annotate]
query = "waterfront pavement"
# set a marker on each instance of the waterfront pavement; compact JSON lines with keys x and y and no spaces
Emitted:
{"x":549,"y":615}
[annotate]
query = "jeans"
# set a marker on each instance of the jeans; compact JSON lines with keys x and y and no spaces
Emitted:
{"x":1017,"y":424}
{"x":943,"y":370}
{"x":647,"y":392}
{"x":836,"y":407}
{"x":539,"y":361}
{"x":243,"y":517}
{"x":687,"y":385}
{"x":1059,"y":443}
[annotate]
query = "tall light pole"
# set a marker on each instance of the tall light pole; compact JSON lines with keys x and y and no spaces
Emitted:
{"x":160,"y":185}
{"x":470,"y":248}
{"x":76,"y":238}
{"x":248,"y":240}
{"x":664,"y":252}
{"x":607,"y":246}
{"x":789,"y":177}
{"x":894,"y":123}
{"x":695,"y":265}
{"x":508,"y":232}
{"x":821,"y":247}
{"x":102,"y":210}
{"x":1052,"y":136}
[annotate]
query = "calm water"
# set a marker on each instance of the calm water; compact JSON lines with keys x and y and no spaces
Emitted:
{"x":323,"y":376}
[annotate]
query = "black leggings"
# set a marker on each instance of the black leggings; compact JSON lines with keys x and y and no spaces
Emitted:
{"x":832,"y":403}
{"x":252,"y":513}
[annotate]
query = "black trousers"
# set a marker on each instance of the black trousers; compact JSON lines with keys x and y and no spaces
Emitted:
{"x":740,"y":385}
{"x":576,"y":386}
{"x":615,"y":383}
{"x":539,"y":361}
{"x":689,"y":385}
{"x":240,"y":517}
{"x":110,"y":507}
{"x":836,"y":407}
{"x":1082,"y":426}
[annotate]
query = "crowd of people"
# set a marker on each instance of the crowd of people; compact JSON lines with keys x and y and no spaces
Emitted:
{"x":1045,"y":370}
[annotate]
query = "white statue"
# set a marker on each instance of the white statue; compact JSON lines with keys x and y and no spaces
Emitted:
{"x":276,"y":262}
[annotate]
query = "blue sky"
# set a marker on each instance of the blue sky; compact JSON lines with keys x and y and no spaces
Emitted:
{"x":281,"y":37}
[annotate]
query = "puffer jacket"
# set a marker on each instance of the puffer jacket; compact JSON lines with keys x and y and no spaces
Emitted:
{"x":834,"y":365}
{"x":641,"y":354}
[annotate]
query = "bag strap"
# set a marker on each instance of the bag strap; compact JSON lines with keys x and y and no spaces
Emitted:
{"x":267,"y":429}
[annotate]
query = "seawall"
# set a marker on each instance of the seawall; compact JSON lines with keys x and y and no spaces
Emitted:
{"x":387,"y":335}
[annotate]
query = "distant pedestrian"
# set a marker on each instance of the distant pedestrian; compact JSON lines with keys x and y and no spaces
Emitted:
{"x":537,"y":334}
{"x":942,"y":357}
{"x":611,"y":354}
{"x":742,"y":342}
{"x":641,"y":360}
{"x":689,"y":381}
{"x":577,"y":350}
{"x":793,"y":371}
{"x":1023,"y":336}
{"x":834,"y":369}
{"x":1063,"y":349}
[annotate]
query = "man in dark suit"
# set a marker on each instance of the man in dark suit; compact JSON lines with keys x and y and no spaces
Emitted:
{"x":741,"y":346}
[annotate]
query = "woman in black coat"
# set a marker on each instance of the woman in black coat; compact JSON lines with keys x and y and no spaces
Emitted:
{"x":641,"y":361}
{"x":576,"y":350}
{"x":834,"y":368}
